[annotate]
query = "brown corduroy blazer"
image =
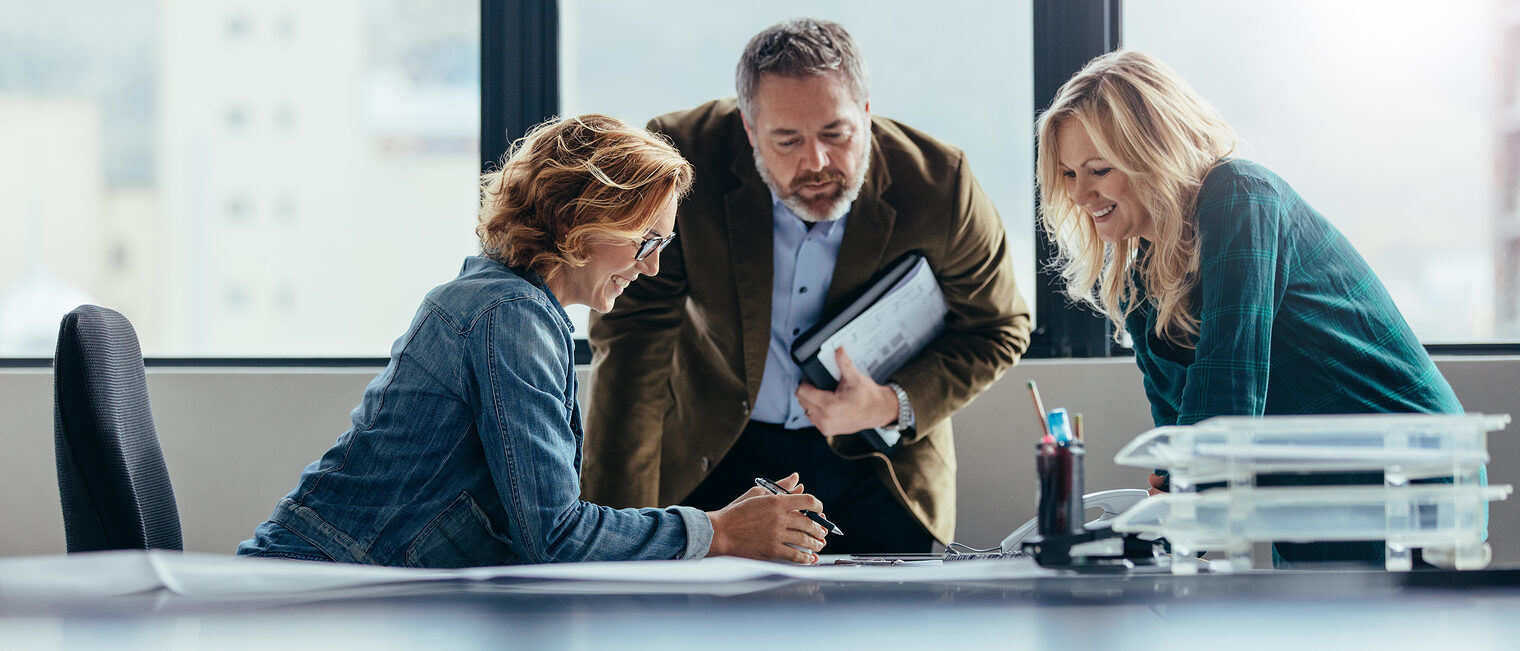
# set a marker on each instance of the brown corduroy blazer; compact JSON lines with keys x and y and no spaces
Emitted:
{"x":678,"y":360}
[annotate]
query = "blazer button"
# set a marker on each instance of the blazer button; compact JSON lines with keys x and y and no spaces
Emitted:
{"x":744,"y":407}
{"x":705,"y":464}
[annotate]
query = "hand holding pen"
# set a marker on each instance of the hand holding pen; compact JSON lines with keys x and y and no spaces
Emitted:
{"x":769,"y":527}
{"x":775,"y":488}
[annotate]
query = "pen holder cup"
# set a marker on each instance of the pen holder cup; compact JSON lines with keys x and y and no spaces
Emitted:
{"x":1059,"y":467}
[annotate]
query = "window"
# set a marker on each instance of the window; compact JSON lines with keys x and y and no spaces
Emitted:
{"x":1389,"y":120}
{"x":958,"y":70}
{"x":282,"y":178}
{"x":239,"y":178}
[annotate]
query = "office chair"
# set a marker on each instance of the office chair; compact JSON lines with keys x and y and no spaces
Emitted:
{"x":111,"y":474}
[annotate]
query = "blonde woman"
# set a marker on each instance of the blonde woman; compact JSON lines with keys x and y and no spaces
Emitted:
{"x":1239,"y":297}
{"x":466,"y":449}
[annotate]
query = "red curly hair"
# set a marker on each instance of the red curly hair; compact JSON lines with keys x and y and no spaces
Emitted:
{"x":573,"y":182}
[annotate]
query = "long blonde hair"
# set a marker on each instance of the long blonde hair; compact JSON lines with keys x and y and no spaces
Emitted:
{"x":1153,"y":127}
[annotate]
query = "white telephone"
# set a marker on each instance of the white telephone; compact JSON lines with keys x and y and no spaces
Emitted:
{"x":1113,"y":502}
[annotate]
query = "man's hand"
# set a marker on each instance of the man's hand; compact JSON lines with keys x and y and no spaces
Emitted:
{"x":768,"y":527}
{"x":857,"y":403}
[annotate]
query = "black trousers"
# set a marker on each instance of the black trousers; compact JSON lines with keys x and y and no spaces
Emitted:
{"x":853,"y":497}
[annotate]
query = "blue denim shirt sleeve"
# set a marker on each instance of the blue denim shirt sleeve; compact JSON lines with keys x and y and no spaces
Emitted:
{"x":699,"y":532}
{"x":529,"y":425}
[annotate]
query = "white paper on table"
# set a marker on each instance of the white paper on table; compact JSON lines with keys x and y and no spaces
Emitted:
{"x":99,"y":574}
{"x":215,"y":575}
{"x":117,"y":573}
{"x":207,"y":575}
{"x":887,"y":334}
{"x":114,"y":574}
{"x":967,"y":570}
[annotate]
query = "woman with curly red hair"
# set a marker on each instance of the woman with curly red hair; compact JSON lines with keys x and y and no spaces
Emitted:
{"x":466,"y":450}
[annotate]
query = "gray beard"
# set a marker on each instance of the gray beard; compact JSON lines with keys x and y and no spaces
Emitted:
{"x":839,"y":208}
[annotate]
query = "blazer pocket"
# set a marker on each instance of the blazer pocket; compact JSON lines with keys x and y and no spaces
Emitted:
{"x":461,"y":536}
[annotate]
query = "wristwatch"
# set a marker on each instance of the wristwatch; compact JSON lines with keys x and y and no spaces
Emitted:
{"x":891,"y":434}
{"x":904,"y":408}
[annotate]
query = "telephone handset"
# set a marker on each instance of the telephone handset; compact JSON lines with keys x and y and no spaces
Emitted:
{"x":1113,"y":502}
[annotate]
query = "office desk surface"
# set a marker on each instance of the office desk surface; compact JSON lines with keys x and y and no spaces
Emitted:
{"x":1269,"y":610}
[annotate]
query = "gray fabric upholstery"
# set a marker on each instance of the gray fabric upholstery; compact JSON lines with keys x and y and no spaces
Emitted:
{"x":111,"y":474}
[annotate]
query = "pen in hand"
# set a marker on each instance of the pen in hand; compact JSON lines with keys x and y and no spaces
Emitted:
{"x":778,"y":490}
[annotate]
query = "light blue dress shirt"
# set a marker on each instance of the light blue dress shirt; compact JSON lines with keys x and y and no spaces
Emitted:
{"x":804,"y":267}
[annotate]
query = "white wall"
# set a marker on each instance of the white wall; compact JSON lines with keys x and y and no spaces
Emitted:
{"x":236,"y":439}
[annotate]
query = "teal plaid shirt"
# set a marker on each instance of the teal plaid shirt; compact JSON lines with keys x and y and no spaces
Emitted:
{"x":1293,"y":321}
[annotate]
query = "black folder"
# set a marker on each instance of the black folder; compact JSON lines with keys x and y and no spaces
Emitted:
{"x":806,"y":348}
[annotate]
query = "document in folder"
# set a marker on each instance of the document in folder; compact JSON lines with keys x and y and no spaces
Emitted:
{"x":898,"y":314}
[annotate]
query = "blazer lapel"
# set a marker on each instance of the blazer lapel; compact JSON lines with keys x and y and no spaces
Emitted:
{"x":867,"y":231}
{"x":750,"y":248}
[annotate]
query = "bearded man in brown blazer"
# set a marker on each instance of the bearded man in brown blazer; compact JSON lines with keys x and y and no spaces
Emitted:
{"x":801,"y":195}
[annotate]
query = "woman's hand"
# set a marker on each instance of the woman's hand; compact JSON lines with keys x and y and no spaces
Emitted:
{"x":792,"y":483}
{"x":768,"y":527}
{"x":1157,"y":481}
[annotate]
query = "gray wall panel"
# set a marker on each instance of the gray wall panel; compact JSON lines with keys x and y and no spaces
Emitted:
{"x":235,"y":441}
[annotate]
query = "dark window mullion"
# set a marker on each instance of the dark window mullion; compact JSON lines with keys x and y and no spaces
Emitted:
{"x":519,"y":71}
{"x":519,"y":81}
{"x":1067,"y":34}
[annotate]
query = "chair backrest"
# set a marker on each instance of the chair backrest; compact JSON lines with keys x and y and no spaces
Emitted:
{"x":111,"y":473}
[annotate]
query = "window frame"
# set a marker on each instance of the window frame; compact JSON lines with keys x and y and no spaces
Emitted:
{"x":1067,"y":34}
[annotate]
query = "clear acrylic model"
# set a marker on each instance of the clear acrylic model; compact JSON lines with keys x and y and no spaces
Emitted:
{"x":1433,"y":495}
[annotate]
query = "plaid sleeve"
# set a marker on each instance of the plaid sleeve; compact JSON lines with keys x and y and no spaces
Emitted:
{"x":1242,"y":276}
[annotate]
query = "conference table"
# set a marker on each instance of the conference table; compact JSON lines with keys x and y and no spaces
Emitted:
{"x":162,"y":600}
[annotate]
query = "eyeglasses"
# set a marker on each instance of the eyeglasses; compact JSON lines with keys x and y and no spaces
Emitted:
{"x":653,"y":245}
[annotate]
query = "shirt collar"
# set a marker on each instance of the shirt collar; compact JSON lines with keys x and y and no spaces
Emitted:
{"x":784,"y":214}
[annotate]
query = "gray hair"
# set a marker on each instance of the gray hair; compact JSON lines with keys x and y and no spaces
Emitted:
{"x":798,"y":48}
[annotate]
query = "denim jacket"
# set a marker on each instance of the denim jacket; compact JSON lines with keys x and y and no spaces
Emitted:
{"x":466,"y":450}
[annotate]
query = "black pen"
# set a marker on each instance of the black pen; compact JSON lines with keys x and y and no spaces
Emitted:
{"x":777,"y":489}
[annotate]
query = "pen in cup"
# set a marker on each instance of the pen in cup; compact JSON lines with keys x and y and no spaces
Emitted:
{"x":1039,"y":407}
{"x":777,"y":489}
